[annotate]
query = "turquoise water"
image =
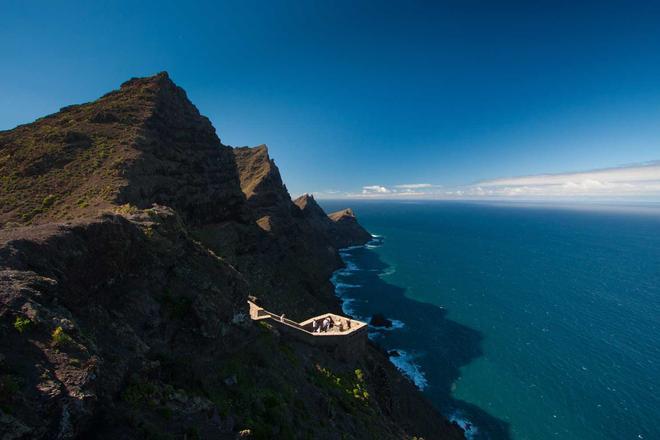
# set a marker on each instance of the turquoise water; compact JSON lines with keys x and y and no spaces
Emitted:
{"x":526,"y":322}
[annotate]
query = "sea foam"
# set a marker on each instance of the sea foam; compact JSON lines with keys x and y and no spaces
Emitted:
{"x":350,"y":248}
{"x":387,"y":272}
{"x":341,"y":288}
{"x":470,"y":429}
{"x":405,"y":362}
{"x":347,"y":307}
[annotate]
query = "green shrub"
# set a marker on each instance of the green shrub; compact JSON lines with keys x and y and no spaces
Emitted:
{"x":48,"y":201}
{"x":359,"y":389}
{"x":354,"y":386}
{"x":127,"y":209}
{"x":22,"y":324}
{"x":149,"y":231}
{"x":59,"y":337}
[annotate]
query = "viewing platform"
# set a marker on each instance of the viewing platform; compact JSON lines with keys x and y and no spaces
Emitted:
{"x":346,"y":334}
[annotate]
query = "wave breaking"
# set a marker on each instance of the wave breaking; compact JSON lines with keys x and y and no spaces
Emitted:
{"x":405,"y":362}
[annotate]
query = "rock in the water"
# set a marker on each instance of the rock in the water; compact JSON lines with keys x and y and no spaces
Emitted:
{"x":130,"y":240}
{"x":379,"y":320}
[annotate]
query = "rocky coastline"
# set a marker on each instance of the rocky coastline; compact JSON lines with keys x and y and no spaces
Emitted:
{"x":130,"y":241}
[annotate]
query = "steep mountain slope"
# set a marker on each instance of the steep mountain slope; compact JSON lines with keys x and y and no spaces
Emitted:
{"x":144,"y":143}
{"x":340,"y":228}
{"x":287,"y":263}
{"x":263,"y":187}
{"x":108,"y":307}
{"x":348,"y":230}
{"x":130,"y":241}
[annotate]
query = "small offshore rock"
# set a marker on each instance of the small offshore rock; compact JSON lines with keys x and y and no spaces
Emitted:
{"x":379,"y":320}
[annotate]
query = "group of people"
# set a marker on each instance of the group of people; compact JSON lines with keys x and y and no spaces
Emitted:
{"x":322,"y":325}
{"x":325,"y":324}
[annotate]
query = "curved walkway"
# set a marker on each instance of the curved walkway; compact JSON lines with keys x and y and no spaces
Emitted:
{"x":344,"y":331}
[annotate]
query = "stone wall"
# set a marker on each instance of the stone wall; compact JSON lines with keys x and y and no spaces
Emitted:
{"x":346,"y":344}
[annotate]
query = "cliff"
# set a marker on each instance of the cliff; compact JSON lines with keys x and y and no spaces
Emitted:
{"x":340,"y":228}
{"x":287,"y":263}
{"x":131,"y":239}
{"x":144,"y":143}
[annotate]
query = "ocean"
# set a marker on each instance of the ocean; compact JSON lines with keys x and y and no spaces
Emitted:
{"x":519,"y":321}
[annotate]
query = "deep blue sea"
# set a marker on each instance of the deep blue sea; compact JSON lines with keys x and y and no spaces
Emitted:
{"x":518,"y":321}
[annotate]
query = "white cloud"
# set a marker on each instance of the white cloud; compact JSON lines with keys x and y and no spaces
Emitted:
{"x":403,"y":190}
{"x":414,"y":186}
{"x":375,"y":189}
{"x":625,"y":181}
{"x":630,"y":181}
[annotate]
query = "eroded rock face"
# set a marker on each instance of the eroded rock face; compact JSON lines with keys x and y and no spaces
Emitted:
{"x":288,"y":264}
{"x":103,"y":299}
{"x":348,"y":230}
{"x":340,"y":228}
{"x":263,"y":187}
{"x":181,"y":162}
{"x":144,"y":143}
{"x":130,"y":239}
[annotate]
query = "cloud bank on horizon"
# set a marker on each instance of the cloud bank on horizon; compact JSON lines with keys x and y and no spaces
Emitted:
{"x":637,"y":181}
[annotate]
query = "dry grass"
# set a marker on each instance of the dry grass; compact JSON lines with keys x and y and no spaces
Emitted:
{"x":65,"y":165}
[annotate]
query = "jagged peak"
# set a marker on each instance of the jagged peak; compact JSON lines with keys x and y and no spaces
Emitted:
{"x":261,"y":149}
{"x":257,"y":171}
{"x":157,"y":91}
{"x":342,"y":214}
{"x":160,"y":79}
{"x":142,"y":143}
{"x":257,"y":154}
{"x":309,"y":206}
{"x":303,"y":200}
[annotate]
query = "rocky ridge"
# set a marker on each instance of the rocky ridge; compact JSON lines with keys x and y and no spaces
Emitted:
{"x":340,"y":228}
{"x":130,"y":240}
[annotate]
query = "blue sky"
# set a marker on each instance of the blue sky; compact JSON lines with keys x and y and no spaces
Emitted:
{"x":375,"y":99}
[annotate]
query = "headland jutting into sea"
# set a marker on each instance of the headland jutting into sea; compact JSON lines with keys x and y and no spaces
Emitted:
{"x":131,"y":239}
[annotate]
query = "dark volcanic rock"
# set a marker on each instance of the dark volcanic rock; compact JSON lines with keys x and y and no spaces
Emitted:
{"x":340,"y":228}
{"x":379,"y":320}
{"x":311,"y":209}
{"x":130,"y":240}
{"x":181,"y":162}
{"x":121,"y":297}
{"x":144,"y":143}
{"x":348,"y":229}
{"x":287,"y":263}
{"x":263,"y":187}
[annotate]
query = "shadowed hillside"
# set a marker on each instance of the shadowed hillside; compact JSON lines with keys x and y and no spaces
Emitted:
{"x":340,"y":228}
{"x":131,"y":239}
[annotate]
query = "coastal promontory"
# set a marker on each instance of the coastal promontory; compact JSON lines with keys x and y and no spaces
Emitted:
{"x":131,"y":239}
{"x":340,"y":228}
